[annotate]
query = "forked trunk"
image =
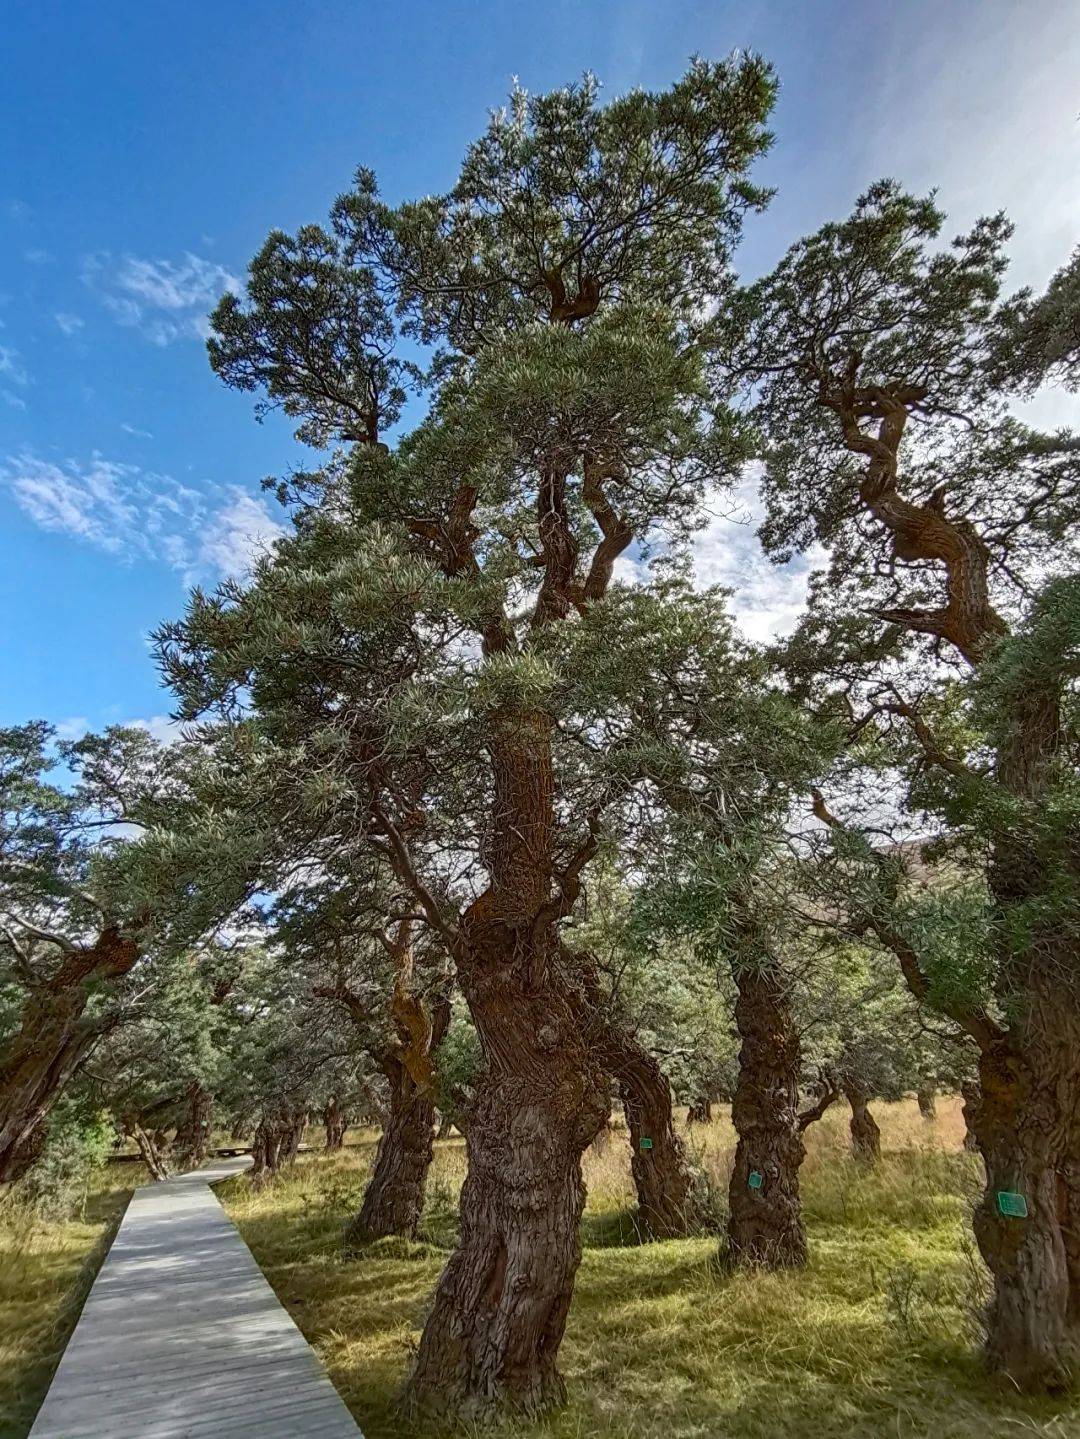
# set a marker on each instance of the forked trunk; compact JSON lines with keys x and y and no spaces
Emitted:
{"x":150,"y":1151}
{"x":51,"y":1042}
{"x":865,"y":1134}
{"x":765,"y":1225}
{"x":394,"y":1198}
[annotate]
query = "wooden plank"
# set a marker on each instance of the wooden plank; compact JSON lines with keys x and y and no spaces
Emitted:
{"x":182,"y":1336}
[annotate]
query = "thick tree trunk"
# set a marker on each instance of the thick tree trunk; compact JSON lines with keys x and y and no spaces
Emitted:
{"x":51,"y":1042}
{"x":927,"y":1106}
{"x":865,"y":1134}
{"x":335,"y":1123}
{"x":492,"y":1339}
{"x":700,"y":1112}
{"x":192,"y":1141}
{"x":277,"y":1139}
{"x":969,"y":1109}
{"x":394,"y":1198}
{"x":500,"y":1309}
{"x":1024,"y":1125}
{"x":662,"y":1178}
{"x":765,"y":1225}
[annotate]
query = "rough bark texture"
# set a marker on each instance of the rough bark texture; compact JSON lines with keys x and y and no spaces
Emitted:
{"x":970,"y":1093}
{"x":927,"y":1106}
{"x":151,"y":1151}
{"x":1023,"y":1125}
{"x":491,"y":1340}
{"x":662,"y":1178}
{"x":1025,"y":1122}
{"x":765,"y":1226}
{"x":335,"y":1123}
{"x":277,"y":1139}
{"x":865,"y":1134}
{"x":700,"y":1112}
{"x":192,"y":1141}
{"x":394,"y":1198}
{"x":53,"y":1038}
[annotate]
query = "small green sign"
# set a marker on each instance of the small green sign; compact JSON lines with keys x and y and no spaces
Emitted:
{"x":1013,"y":1206}
{"x":755,"y":1179}
{"x":646,"y":1144}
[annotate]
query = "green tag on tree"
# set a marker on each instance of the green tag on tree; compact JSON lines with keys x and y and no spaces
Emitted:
{"x":646,"y":1144}
{"x":1013,"y":1206}
{"x":755,"y":1179}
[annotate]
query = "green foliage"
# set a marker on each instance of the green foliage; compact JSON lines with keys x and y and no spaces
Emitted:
{"x":78,"y":1139}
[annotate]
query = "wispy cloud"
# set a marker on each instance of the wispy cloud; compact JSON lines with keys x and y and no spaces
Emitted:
{"x":165,"y":300}
{"x":70,"y":324}
{"x":11,"y":366}
{"x":134,"y":430}
{"x":134,"y":513}
{"x":767,"y":600}
{"x":37,"y":256}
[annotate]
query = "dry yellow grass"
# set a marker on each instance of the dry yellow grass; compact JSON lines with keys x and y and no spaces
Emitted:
{"x":45,"y":1273}
{"x":875,"y":1338}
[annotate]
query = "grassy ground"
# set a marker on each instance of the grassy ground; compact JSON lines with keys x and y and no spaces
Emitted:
{"x":46,"y":1270}
{"x":875,"y":1338}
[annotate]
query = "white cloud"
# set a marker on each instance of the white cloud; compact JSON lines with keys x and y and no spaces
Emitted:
{"x":11,"y":366}
{"x":73,"y":728}
{"x":238,"y":533}
{"x":134,"y":430}
{"x":69,"y":323}
{"x":37,"y":256}
{"x":162,"y":728}
{"x":134,"y":513}
{"x":767,"y":600}
{"x":10,"y":398}
{"x":165,"y":300}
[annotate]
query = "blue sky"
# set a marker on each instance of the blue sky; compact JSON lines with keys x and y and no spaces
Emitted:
{"x":147,"y":149}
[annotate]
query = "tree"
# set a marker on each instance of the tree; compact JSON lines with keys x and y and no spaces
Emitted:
{"x":564,"y":278}
{"x":98,"y":876}
{"x":869,"y":353}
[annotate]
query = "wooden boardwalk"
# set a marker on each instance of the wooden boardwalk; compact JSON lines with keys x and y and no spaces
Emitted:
{"x":182,"y":1335}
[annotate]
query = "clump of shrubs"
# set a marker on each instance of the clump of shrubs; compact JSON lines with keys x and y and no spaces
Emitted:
{"x":78,"y":1140}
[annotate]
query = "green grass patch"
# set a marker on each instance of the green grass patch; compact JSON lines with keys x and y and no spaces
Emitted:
{"x":46,"y":1269}
{"x":877,"y":1337}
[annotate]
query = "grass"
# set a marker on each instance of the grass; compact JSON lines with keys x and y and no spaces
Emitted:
{"x":875,"y":1338}
{"x":46,"y":1270}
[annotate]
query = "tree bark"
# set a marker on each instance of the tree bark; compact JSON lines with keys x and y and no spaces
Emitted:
{"x":1024,"y":1125}
{"x":394,"y":1198}
{"x":700,"y":1112}
{"x":765,"y":1225}
{"x":335,"y":1123}
{"x":865,"y":1134}
{"x":51,"y":1042}
{"x":491,"y":1340}
{"x":192,"y":1140}
{"x":927,"y":1106}
{"x":662,"y":1178}
{"x":970,"y":1093}
{"x":150,"y":1151}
